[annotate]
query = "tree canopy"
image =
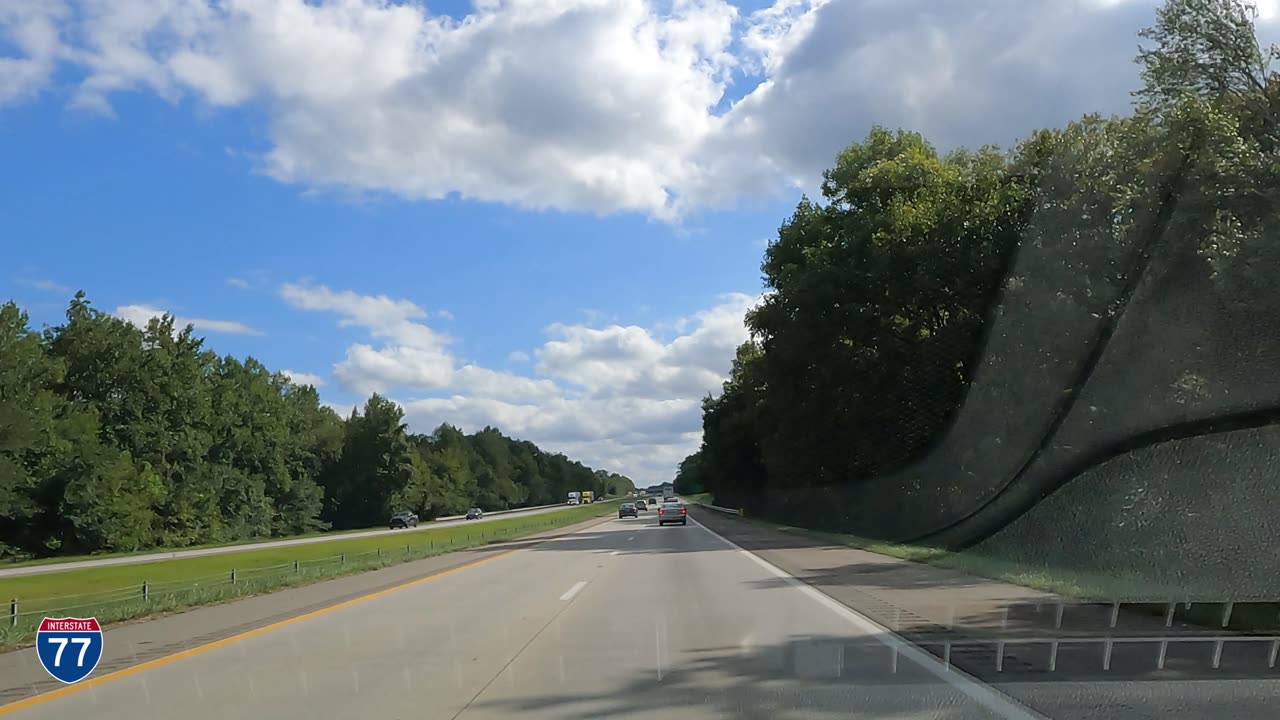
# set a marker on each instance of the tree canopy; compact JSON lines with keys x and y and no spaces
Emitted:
{"x":917,"y":318}
{"x":119,"y":438}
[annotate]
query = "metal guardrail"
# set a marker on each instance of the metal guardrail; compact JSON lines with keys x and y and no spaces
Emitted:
{"x":717,"y":508}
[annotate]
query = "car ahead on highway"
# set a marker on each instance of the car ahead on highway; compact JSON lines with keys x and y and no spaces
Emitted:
{"x":627,"y":510}
{"x":475,"y":514}
{"x":403,"y":520}
{"x":641,"y":506}
{"x":672,"y":512}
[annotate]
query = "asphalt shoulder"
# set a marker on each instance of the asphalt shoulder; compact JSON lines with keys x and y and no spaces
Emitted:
{"x":1000,"y":632}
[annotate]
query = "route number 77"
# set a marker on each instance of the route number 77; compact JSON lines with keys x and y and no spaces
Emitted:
{"x":61,"y":642}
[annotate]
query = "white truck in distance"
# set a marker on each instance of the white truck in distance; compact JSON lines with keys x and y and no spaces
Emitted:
{"x":575,"y":498}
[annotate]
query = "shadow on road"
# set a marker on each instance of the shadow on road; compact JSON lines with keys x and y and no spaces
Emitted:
{"x":825,"y":676}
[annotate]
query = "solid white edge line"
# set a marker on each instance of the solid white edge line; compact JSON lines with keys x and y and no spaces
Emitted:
{"x":574,"y":590}
{"x":979,"y":691}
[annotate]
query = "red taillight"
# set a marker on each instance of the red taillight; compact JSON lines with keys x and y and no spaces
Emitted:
{"x":683,"y":511}
{"x":659,"y":511}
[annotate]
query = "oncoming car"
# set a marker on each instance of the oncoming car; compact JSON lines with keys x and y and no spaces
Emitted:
{"x":403,"y":520}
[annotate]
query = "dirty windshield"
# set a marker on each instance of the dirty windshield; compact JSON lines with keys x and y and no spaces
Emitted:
{"x":764,"y":359}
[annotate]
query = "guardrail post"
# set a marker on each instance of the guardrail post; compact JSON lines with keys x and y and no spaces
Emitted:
{"x":13,"y":612}
{"x":379,"y":554}
{"x":146,"y":591}
{"x":295,"y":566}
{"x":342,"y":559}
{"x":233,"y":575}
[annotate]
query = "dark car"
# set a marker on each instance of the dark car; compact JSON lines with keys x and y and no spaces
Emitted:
{"x":641,"y":506}
{"x":672,"y":512}
{"x":475,"y":514}
{"x":627,"y":510}
{"x":403,"y":520}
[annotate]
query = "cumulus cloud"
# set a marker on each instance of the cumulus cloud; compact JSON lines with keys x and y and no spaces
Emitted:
{"x":140,"y":315}
{"x":32,"y":28}
{"x":411,"y":355}
{"x":301,"y":378}
{"x":630,"y":361}
{"x":595,"y":105}
{"x":616,"y":397}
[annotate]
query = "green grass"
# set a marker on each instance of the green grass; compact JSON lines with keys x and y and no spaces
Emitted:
{"x":114,"y":592}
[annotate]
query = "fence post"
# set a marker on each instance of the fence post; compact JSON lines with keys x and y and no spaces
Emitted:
{"x":379,"y":554}
{"x":406,"y":549}
{"x":146,"y":591}
{"x":13,"y":612}
{"x":233,"y":575}
{"x":342,"y":559}
{"x":295,"y":566}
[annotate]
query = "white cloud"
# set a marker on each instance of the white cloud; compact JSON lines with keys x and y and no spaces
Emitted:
{"x":140,"y":315}
{"x":444,"y":314}
{"x":301,"y":378}
{"x":629,"y":361}
{"x":595,"y":105}
{"x":238,"y":282}
{"x":46,"y":284}
{"x":412,"y":354}
{"x":615,"y":397}
{"x":518,"y":356}
{"x":32,"y":27}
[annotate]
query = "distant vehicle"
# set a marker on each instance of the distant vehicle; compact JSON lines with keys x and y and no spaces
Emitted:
{"x":475,"y":514}
{"x":672,"y":512}
{"x":575,"y":498}
{"x":627,"y":510}
{"x":403,"y":520}
{"x":587,"y":497}
{"x":640,"y":505}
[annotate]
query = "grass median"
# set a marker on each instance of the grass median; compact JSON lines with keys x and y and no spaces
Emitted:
{"x":120,"y":592}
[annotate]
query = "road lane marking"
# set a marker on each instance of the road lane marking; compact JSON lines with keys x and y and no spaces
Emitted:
{"x":616,"y":552}
{"x":975,"y":689}
{"x":574,"y":590}
{"x":633,"y":537}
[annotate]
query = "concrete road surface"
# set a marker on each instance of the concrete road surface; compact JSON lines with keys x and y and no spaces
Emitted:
{"x":624,"y":620}
{"x":153,"y":557}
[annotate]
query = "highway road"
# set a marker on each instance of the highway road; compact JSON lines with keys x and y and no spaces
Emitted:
{"x":153,"y":557}
{"x":621,"y":619}
{"x":624,"y":619}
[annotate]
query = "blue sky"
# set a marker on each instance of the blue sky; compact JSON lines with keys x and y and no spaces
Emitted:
{"x":547,"y":215}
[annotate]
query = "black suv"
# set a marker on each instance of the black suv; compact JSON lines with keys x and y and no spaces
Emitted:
{"x":403,"y":520}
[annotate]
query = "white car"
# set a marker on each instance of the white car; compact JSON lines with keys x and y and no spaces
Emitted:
{"x":574,"y":501}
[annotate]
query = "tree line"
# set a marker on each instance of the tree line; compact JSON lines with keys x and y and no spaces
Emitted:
{"x":119,"y":438}
{"x":882,"y":300}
